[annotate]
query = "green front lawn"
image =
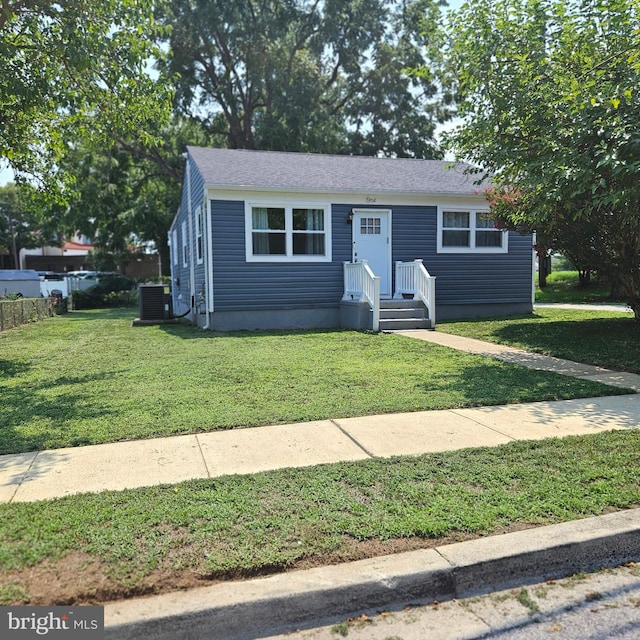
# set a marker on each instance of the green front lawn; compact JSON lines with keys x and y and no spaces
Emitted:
{"x":602,"y":338}
{"x":564,"y":286}
{"x":90,"y":377}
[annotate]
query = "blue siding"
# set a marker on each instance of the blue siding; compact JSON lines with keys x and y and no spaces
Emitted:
{"x":197,"y":199}
{"x":478,"y":278}
{"x":181,"y":276}
{"x":242,"y":285}
{"x":461,"y":278}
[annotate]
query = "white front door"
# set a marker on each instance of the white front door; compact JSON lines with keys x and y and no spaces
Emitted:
{"x":372,"y":242}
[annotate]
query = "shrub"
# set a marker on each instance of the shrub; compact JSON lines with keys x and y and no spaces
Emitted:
{"x":111,"y":291}
{"x":121,"y":298}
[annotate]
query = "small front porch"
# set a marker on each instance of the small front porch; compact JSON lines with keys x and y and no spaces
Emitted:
{"x":411,"y":307}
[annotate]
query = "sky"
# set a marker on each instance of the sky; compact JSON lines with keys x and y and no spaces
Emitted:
{"x":6,"y":175}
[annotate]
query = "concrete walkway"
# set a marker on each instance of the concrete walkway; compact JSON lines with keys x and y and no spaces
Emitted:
{"x":49,"y":474}
{"x":528,"y":359}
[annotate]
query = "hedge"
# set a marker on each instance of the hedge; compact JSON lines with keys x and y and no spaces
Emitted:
{"x":16,"y":312}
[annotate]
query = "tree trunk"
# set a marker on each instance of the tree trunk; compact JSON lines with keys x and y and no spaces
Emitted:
{"x":14,"y":246}
{"x":584,"y":278}
{"x":628,"y":285}
{"x":544,"y":267}
{"x":542,"y":276}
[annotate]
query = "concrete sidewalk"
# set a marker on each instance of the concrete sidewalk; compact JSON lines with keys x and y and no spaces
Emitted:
{"x":49,"y":474}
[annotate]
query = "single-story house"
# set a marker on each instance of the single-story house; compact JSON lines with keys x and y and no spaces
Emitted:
{"x":266,"y":240}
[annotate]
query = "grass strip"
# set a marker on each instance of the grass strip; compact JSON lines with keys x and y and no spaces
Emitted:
{"x":90,"y":377}
{"x":249,"y":525}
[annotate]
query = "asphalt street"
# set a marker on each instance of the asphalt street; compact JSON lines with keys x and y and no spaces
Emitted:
{"x":600,"y":606}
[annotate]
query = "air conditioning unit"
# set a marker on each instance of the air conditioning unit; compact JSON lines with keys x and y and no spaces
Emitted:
{"x":155,"y":302}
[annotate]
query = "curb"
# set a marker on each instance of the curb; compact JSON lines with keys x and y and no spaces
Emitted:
{"x":313,"y":597}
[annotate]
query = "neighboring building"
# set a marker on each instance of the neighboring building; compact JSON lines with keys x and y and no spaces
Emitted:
{"x":71,"y":256}
{"x":284,"y":240}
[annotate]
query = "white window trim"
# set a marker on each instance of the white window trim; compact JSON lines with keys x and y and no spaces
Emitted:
{"x":472,"y":226}
{"x":185,"y":246}
{"x":288,"y":206}
{"x":199,"y":236}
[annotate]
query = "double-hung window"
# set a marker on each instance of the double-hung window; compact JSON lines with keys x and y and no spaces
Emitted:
{"x":282,"y":233}
{"x":175,"y":251}
{"x":461,"y":231}
{"x":199,"y":246}
{"x":185,"y":246}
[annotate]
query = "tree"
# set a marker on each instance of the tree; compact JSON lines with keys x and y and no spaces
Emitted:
{"x":19,"y":226}
{"x":548,"y":90}
{"x":308,"y":75}
{"x":71,"y":69}
{"x":126,"y":194}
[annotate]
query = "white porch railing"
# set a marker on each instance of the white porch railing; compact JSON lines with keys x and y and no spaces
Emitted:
{"x":413,"y":279}
{"x":362,"y":285}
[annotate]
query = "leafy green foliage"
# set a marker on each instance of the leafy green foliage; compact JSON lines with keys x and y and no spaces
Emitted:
{"x":72,"y":70}
{"x":108,"y":292}
{"x":549,"y":93}
{"x":20,"y":227}
{"x":308,"y":76}
{"x":134,"y":382}
{"x":127,"y":193}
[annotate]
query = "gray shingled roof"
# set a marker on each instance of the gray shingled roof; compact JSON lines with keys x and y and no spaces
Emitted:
{"x":271,"y":170}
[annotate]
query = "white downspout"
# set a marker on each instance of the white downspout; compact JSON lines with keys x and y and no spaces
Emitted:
{"x":192,"y":273}
{"x":533,"y":269}
{"x":211,"y":300}
{"x":206,"y":225}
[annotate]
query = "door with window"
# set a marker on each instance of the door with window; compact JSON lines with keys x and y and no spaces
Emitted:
{"x":372,"y":242}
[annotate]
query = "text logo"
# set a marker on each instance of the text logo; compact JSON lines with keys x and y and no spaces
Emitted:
{"x":53,"y":623}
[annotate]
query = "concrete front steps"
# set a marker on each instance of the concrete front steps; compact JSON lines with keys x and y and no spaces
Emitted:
{"x":396,"y":315}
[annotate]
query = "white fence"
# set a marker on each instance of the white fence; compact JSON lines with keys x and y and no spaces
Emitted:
{"x":67,"y":285}
{"x":413,"y":279}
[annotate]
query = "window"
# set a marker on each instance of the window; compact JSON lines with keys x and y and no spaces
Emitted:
{"x":308,"y":232}
{"x":370,"y":226}
{"x":268,"y":234}
{"x":462,"y":231}
{"x":199,"y":253}
{"x":456,"y":230}
{"x":185,"y":246}
{"x":174,"y":246}
{"x":487,"y":235}
{"x":287,"y":233}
